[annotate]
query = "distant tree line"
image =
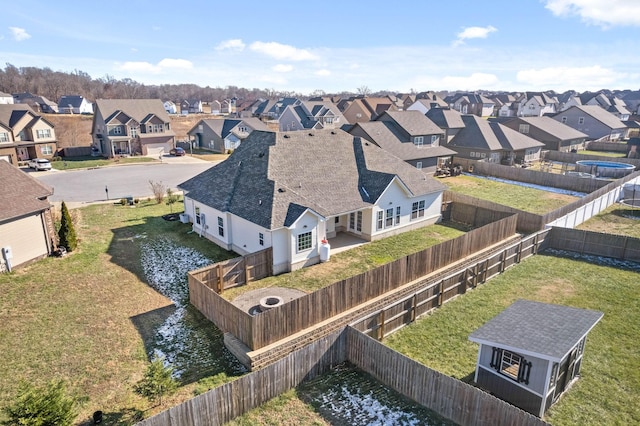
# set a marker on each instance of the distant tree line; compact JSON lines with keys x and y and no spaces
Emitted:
{"x":55,"y":84}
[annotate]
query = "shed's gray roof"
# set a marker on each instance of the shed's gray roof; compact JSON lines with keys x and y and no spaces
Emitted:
{"x":22,"y":195}
{"x":275,"y":177}
{"x":538,"y":328}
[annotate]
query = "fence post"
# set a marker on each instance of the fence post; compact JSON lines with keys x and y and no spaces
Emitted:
{"x":220,"y":279}
{"x":519,"y":253}
{"x":246,"y":271}
{"x":414,"y":307}
{"x":381,"y":326}
{"x":441,"y":292}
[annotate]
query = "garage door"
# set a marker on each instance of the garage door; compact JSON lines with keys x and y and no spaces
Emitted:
{"x":157,"y":149}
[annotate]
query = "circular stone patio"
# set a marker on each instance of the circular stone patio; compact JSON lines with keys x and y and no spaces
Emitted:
{"x":250,"y":300}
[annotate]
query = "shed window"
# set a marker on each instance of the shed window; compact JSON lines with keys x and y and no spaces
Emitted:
{"x":511,"y":365}
{"x":304,"y":241}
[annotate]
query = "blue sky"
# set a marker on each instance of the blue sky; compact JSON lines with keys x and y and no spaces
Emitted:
{"x":513,"y":45}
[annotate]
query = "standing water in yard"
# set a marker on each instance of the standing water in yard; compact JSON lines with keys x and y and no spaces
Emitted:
{"x":189,"y":343}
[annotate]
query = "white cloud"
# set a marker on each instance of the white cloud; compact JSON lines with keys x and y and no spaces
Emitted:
{"x":235,"y":44}
{"x":474,"y":32}
{"x":323,"y":73}
{"x":593,"y":77}
{"x":282,"y":51}
{"x":175,"y":63}
{"x":149,"y":68}
{"x":19,"y":34}
{"x":282,"y":68}
{"x":604,"y":13}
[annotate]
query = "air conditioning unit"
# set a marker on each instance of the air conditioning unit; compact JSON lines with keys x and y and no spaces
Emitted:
{"x":184,"y":218}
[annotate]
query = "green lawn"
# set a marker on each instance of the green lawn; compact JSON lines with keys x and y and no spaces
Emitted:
{"x":609,"y":388}
{"x":69,"y":163}
{"x":355,"y":261}
{"x":603,"y":153}
{"x":516,"y":196}
{"x":617,"y":219}
{"x":91,"y":318}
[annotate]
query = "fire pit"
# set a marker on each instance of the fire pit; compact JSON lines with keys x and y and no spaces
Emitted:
{"x":269,"y":302}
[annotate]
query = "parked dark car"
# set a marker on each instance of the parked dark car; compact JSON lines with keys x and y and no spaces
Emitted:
{"x":178,"y":152}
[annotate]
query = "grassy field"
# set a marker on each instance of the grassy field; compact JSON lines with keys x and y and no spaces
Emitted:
{"x":92,"y":317}
{"x":355,"y":261}
{"x":603,"y":153}
{"x":609,"y":389}
{"x":519,"y":197}
{"x":617,"y":219}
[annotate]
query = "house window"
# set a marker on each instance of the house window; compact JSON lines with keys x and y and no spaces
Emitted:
{"x":43,"y":133}
{"x":389,"y":218}
{"x":435,"y":140}
{"x":46,"y":149}
{"x":524,"y":128}
{"x":117,"y":130}
{"x":472,"y":154}
{"x":198,"y":215}
{"x":417,"y":209}
{"x":419,"y":165}
{"x":337,"y":219}
{"x":304,"y":241}
{"x":418,"y":141}
{"x":397,"y":215}
{"x":220,"y":226}
{"x":483,"y":155}
{"x":380,"y":219}
{"x":328,"y":120}
{"x":260,"y":238}
{"x":4,"y":137}
{"x":580,"y":120}
{"x":134,"y":131}
{"x":564,"y":120}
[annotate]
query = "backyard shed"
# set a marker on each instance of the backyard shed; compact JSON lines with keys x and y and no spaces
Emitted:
{"x":531,"y":352}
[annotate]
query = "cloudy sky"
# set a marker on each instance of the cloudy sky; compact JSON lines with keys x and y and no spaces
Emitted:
{"x":335,"y":46}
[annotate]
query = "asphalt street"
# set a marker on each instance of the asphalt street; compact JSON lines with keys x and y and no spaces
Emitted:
{"x":88,"y":185}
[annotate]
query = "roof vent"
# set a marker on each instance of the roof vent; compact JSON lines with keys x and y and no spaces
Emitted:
{"x":333,"y":133}
{"x":261,"y":155}
{"x":366,"y":143}
{"x":286,"y":136}
{"x":310,"y":134}
{"x":281,"y":190}
{"x":260,"y":202}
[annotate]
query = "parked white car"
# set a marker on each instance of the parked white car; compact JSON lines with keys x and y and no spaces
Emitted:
{"x":39,"y":164}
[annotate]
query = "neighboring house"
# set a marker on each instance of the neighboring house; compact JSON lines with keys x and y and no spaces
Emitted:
{"x":73,"y":104}
{"x":410,"y":136}
{"x":571,"y":99}
{"x":632,"y":101}
{"x":27,"y":231}
{"x":493,"y":142}
{"x":310,"y":115}
{"x":633,"y":129}
{"x":471,"y":103}
{"x":431,"y":100}
{"x":449,"y":120}
{"x":532,"y":352}
{"x":216,"y":107}
{"x":170,"y":107}
{"x":37,"y":103}
{"x":289,"y":191}
{"x":505,"y":105}
{"x":25,"y":134}
{"x":222,"y":135}
{"x":367,"y":109}
{"x":228,"y":106}
{"x":6,"y":98}
{"x":191,"y":106}
{"x":594,"y":121}
{"x":271,"y":109}
{"x":536,"y":104}
{"x":555,"y":135}
{"x":132,"y":126}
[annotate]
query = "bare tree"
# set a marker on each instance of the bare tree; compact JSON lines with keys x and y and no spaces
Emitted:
{"x":364,"y":90}
{"x":159,"y":190}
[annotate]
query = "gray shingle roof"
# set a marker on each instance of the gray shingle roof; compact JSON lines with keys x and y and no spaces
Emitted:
{"x":599,"y":114}
{"x":538,"y":328}
{"x":414,"y":123}
{"x":554,"y":128}
{"x":138,"y":109}
{"x":21,"y":194}
{"x":445,"y":118}
{"x":482,"y":134}
{"x":272,"y":179}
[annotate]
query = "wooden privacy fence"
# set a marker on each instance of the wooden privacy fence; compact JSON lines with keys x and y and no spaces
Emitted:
{"x":449,"y":397}
{"x":607,"y":146}
{"x":306,"y":311}
{"x":440,"y":289}
{"x":553,"y":180}
{"x":595,"y":243}
{"x":236,"y":272}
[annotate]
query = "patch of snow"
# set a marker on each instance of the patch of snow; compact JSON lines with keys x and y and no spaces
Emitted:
{"x":531,"y":185}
